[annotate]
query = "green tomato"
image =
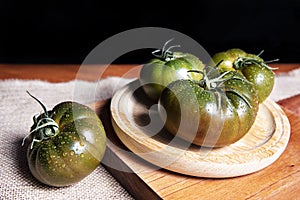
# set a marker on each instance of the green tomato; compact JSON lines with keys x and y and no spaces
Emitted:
{"x":214,"y":112}
{"x":166,"y":68}
{"x":262,"y":79}
{"x":251,"y":66}
{"x":67,"y":144}
{"x":226,"y":59}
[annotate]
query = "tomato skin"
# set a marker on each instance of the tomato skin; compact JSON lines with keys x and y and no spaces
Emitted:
{"x":159,"y":72}
{"x":187,"y":104}
{"x":251,"y":66}
{"x":72,"y":154}
{"x":262,"y":79}
{"x":226,"y":59}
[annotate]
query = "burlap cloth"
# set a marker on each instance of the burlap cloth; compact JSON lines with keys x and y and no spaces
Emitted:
{"x":17,"y":110}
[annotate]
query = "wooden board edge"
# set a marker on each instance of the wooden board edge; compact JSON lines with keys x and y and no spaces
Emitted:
{"x":126,"y":177}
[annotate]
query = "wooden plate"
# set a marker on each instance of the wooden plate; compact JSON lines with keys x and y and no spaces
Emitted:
{"x":136,"y":122}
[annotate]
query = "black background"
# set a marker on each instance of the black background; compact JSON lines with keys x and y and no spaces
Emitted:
{"x":66,"y":31}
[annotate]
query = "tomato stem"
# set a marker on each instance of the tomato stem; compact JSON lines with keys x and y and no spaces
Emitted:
{"x":44,"y":126}
{"x":213,"y":80}
{"x":46,"y":129}
{"x":165,"y":54}
{"x":207,"y":79}
{"x":43,"y":106}
{"x":242,"y":62}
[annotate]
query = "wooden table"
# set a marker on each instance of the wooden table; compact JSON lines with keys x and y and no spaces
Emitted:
{"x":281,"y":180}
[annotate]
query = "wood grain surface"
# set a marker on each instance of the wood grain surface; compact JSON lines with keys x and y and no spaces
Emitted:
{"x":68,"y":72}
{"x":276,"y":181}
{"x":280,"y":180}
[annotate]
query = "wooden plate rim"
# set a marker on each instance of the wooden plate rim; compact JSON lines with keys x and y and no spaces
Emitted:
{"x":260,"y":157}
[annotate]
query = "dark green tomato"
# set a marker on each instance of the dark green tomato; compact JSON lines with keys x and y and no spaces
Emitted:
{"x":226,"y":59}
{"x":69,"y":148}
{"x":262,"y":79}
{"x":251,"y":66}
{"x":213,"y":116}
{"x":158,"y":73}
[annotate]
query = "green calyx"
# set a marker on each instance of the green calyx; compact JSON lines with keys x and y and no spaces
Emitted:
{"x":242,"y":62}
{"x":44,"y":126}
{"x":165,"y":53}
{"x":214,"y":81}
